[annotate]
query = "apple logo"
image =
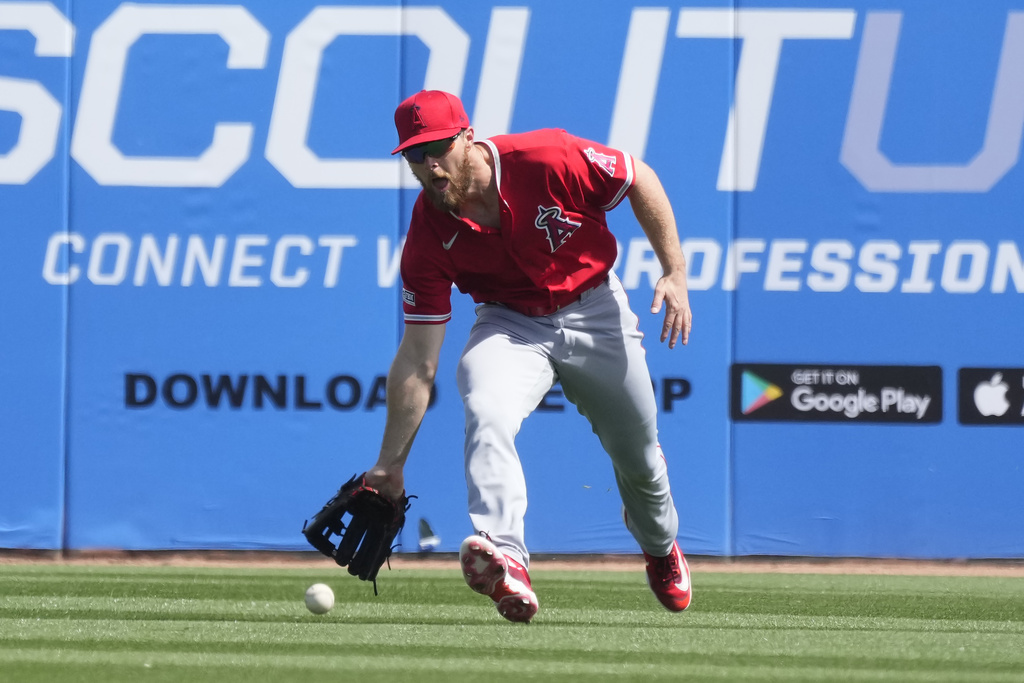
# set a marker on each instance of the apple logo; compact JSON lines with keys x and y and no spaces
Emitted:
{"x":990,"y":397}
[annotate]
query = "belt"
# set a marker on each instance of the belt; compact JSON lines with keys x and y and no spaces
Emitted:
{"x":537,"y":311}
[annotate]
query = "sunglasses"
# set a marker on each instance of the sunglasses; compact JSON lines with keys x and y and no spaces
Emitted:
{"x":435,"y":149}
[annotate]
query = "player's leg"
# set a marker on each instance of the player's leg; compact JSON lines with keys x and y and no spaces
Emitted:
{"x":503,"y":374}
{"x":607,"y":378}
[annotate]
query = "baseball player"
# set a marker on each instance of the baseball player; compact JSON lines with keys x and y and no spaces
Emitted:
{"x":518,"y":223}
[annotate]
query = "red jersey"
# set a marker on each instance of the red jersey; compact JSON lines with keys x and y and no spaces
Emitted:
{"x":554,"y":243}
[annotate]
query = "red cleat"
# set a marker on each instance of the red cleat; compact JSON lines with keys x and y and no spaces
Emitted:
{"x":488,"y":572}
{"x":669,"y":579}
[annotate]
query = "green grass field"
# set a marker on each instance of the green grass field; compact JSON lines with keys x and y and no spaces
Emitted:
{"x":98,"y":624}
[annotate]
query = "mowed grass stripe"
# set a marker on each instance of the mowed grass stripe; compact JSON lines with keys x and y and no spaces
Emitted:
{"x":13,"y":575}
{"x":851,"y":649}
{"x":474,"y":611}
{"x":442,"y":666}
{"x":775,"y":640}
{"x":621,"y":604}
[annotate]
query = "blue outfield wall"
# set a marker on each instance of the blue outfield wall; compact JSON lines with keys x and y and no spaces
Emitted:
{"x":200,"y":225}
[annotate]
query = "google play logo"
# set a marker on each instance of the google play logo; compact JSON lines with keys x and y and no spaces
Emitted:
{"x":757,"y":392}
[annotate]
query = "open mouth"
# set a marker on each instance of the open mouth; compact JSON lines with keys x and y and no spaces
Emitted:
{"x":440,"y":184}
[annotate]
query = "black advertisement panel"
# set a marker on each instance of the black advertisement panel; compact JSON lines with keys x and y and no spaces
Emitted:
{"x":991,"y":396}
{"x":905,"y":394}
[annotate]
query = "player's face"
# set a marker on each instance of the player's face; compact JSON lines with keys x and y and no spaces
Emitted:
{"x":446,"y":177}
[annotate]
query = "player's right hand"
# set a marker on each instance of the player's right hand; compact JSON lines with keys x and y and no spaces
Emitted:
{"x":671,"y":291}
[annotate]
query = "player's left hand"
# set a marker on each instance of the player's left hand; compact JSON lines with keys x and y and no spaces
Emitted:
{"x":671,"y":291}
{"x":365,"y":523}
{"x":390,"y":482}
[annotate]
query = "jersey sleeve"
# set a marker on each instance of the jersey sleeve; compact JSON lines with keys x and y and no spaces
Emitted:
{"x":426,"y":286}
{"x":604,"y":174}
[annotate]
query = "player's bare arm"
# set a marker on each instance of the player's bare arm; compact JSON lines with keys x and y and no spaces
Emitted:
{"x":654,"y":213}
{"x":409,"y":384}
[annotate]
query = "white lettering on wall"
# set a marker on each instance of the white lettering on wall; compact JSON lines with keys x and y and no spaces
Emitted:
{"x":92,"y":143}
{"x":39,"y":110}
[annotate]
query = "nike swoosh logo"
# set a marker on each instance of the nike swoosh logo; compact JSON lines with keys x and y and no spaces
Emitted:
{"x":448,"y":245}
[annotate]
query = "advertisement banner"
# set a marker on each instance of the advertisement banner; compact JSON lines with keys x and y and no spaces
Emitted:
{"x":202,"y":225}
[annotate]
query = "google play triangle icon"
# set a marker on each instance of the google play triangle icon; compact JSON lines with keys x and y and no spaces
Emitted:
{"x":757,"y":392}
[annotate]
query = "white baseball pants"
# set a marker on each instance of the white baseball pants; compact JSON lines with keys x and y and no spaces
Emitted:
{"x":593,"y":347}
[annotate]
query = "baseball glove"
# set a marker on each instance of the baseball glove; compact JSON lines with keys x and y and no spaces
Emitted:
{"x":366,"y":539}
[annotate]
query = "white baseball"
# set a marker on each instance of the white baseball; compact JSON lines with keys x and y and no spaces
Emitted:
{"x":319,"y":598}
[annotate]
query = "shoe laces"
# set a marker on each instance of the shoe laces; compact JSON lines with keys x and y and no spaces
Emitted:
{"x":667,"y":568}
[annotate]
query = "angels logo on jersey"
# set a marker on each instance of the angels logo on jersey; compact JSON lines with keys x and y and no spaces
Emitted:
{"x":606,"y":162}
{"x":558,"y":232}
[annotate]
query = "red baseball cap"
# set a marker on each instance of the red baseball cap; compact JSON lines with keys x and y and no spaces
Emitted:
{"x":427,"y":116}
